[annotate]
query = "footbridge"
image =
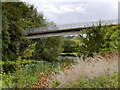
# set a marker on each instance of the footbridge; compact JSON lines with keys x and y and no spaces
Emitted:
{"x":67,"y":29}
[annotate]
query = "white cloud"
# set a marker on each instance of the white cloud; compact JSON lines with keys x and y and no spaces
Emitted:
{"x":65,"y":9}
{"x":80,"y":10}
{"x":50,"y":8}
{"x":44,"y":1}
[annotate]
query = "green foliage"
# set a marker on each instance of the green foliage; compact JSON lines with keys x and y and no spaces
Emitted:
{"x":90,"y":41}
{"x":17,"y":16}
{"x":5,"y":38}
{"x":12,"y":80}
{"x":111,"y":39}
{"x":14,"y":24}
{"x":48,"y":48}
{"x":55,"y":83}
{"x":69,"y":45}
{"x":97,"y":39}
{"x":30,"y":72}
{"x":9,"y":65}
{"x":28,"y":52}
{"x":104,"y":81}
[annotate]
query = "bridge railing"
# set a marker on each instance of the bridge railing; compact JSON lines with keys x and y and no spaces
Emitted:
{"x":69,"y":26}
{"x":87,"y":24}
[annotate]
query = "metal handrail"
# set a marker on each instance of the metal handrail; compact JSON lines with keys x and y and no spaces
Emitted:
{"x":69,"y":26}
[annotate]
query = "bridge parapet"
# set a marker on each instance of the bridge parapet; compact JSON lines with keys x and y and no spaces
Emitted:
{"x":70,"y":26}
{"x":88,"y":24}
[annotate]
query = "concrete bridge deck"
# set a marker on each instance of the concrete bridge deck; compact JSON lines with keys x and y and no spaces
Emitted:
{"x":68,"y":29}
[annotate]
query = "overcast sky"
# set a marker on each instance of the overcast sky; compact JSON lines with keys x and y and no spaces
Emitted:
{"x":75,"y":11}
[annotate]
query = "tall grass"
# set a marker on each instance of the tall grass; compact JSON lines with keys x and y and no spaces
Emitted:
{"x":104,"y":81}
{"x":92,"y":67}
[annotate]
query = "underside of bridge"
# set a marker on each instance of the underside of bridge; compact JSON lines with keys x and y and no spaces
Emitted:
{"x":42,"y":34}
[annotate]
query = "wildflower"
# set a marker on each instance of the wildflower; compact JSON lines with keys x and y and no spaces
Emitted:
{"x":44,"y":71}
{"x":51,"y":67}
{"x":28,"y":86}
{"x":65,"y":62}
{"x":64,"y":66}
{"x":22,"y":87}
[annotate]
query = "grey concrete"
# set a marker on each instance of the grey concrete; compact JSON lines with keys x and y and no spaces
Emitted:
{"x":53,"y":34}
{"x":62,"y":30}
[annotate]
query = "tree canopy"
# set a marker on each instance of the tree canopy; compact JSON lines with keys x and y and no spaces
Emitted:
{"x":18,"y":16}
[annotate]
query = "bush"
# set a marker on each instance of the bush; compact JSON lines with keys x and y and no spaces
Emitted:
{"x":48,"y":49}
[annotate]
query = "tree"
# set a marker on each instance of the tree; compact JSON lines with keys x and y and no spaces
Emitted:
{"x":111,"y":39}
{"x":17,"y":16}
{"x":69,"y":45}
{"x":98,"y":39}
{"x":48,"y":48}
{"x":90,"y":40}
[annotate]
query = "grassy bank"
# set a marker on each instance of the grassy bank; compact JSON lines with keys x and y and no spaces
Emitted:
{"x":97,"y":72}
{"x":104,"y":81}
{"x":33,"y":73}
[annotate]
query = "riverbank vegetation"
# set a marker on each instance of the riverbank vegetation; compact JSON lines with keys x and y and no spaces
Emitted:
{"x":34,"y":63}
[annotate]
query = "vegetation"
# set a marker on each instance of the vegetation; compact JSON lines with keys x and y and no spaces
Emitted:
{"x":104,"y":81}
{"x":98,"y":39}
{"x":32,"y":63}
{"x":14,"y":24}
{"x":69,"y":45}
{"x":33,"y":75}
{"x":111,"y":39}
{"x":48,"y":48}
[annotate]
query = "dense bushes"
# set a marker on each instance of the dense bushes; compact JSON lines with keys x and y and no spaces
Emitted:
{"x":14,"y":24}
{"x":48,"y":48}
{"x":98,"y":39}
{"x":16,"y":17}
{"x":10,"y":65}
{"x":69,"y":45}
{"x":111,"y":39}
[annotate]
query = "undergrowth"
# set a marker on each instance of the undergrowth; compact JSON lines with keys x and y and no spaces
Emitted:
{"x":104,"y":81}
